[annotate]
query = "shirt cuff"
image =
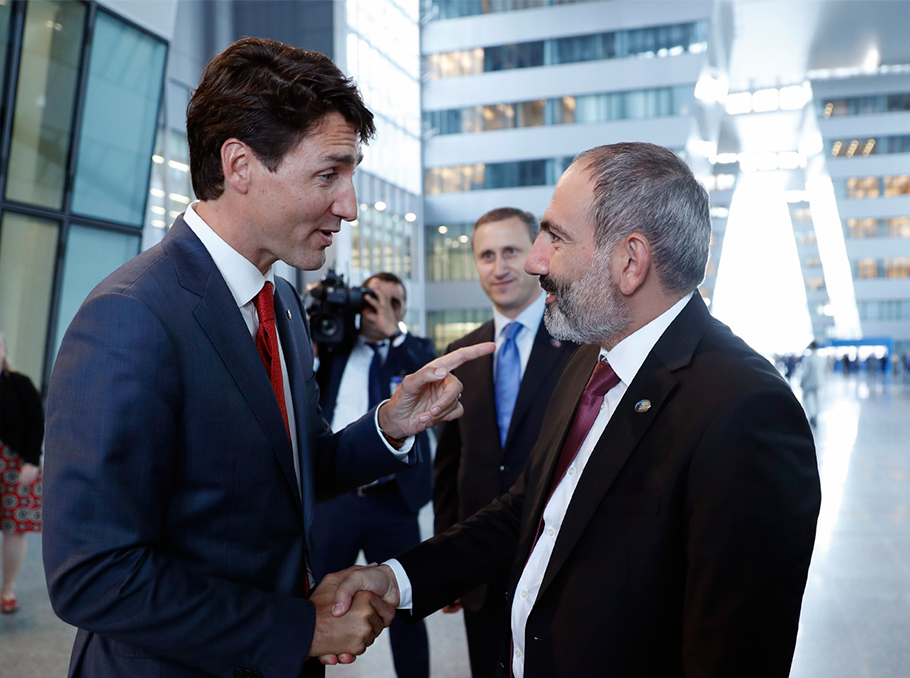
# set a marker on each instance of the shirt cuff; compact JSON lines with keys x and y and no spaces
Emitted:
{"x":400,"y":453}
{"x":404,"y":585}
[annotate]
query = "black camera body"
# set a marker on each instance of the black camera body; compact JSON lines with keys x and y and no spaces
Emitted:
{"x":334,"y":310}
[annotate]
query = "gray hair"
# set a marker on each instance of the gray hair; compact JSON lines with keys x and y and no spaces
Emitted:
{"x":645,"y":188}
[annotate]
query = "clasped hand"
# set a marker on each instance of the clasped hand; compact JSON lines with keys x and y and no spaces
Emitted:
{"x":353,"y":606}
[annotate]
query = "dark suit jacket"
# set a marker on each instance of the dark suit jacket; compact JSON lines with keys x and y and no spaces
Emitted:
{"x":472,"y":467}
{"x":685,"y":548}
{"x":415,"y":483}
{"x":175,"y":535}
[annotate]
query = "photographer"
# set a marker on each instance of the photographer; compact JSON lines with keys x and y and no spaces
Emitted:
{"x":381,"y":518}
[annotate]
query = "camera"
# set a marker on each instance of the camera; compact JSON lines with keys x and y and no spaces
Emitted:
{"x":334,"y":310}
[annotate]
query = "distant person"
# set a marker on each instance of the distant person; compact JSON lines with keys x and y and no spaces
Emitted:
{"x":480,"y":456}
{"x":665,"y":520}
{"x":21,"y":433}
{"x":813,"y":372}
{"x":380,"y":518}
{"x":185,"y":444}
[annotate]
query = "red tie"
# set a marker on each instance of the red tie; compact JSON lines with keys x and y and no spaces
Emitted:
{"x":601,"y":381}
{"x":267,"y":343}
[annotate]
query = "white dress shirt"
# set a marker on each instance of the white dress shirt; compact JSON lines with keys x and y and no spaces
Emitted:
{"x":530,"y":318}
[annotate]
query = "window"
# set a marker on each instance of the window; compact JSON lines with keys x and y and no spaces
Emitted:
{"x":444,"y":327}
{"x":898,"y":227}
{"x":449,"y":253}
{"x":863,"y":228}
{"x":91,"y":254}
{"x":125,"y":72}
{"x":899,"y":185}
{"x":45,"y":95}
{"x":865,"y":187}
{"x":867,"y":268}
{"x":28,"y":253}
{"x":897,"y":267}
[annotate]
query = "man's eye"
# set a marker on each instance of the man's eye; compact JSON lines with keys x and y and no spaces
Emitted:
{"x":328,"y":176}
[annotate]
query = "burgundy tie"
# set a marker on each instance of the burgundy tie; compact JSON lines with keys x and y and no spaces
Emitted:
{"x":601,"y":381}
{"x":267,"y":343}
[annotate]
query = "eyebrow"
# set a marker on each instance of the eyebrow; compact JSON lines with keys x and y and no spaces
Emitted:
{"x":345,"y":159}
{"x":547,"y":225}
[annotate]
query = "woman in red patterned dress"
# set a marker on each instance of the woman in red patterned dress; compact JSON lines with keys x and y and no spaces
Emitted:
{"x":21,"y":434}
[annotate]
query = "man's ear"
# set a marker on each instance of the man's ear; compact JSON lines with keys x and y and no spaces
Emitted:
{"x":634,"y":257}
{"x":236,"y":158}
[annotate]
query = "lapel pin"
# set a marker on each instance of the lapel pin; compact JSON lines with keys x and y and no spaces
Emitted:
{"x":556,"y":343}
{"x":643,"y":406}
{"x":289,"y":314}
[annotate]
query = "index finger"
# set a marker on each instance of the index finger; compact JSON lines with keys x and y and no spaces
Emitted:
{"x":459,"y":357}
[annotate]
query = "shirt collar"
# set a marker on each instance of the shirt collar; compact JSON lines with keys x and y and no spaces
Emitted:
{"x":530,"y":317}
{"x":627,"y":357}
{"x":243,"y":279}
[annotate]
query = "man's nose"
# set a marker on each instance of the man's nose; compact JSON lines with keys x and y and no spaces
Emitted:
{"x":538,"y":261}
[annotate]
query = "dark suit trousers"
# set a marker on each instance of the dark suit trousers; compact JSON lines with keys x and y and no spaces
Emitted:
{"x":382,"y":526}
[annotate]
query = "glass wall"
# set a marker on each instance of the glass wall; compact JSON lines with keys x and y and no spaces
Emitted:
{"x":444,"y":327}
{"x":452,"y":9}
{"x":857,"y":148}
{"x":864,"y":105}
{"x":45,"y":97}
{"x":885,"y":309}
{"x":872,"y":187}
{"x":448,"y":252}
{"x":461,"y":178}
{"x":588,"y":108}
{"x":650,"y":42}
{"x":91,"y":254}
{"x":894,"y":227}
{"x":889,"y":267}
{"x":125,"y":72}
{"x":28,"y":253}
{"x":84,"y":104}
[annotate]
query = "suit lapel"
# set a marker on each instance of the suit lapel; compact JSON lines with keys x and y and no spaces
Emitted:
{"x":479,"y":397}
{"x":542,"y":361}
{"x":220,"y":320}
{"x":655,"y":382}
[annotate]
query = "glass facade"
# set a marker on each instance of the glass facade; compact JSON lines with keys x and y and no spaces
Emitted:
{"x":448,"y":252}
{"x":444,"y":327}
{"x":864,"y":105}
{"x":872,"y":187}
{"x":884,"y":309}
{"x":45,"y":100}
{"x":84,"y":96}
{"x":452,"y":9}
{"x":865,"y":146}
{"x":649,"y":42}
{"x":588,"y":108}
{"x":125,"y":74}
{"x":461,"y":178}
{"x":889,"y":267}
{"x":894,"y":227}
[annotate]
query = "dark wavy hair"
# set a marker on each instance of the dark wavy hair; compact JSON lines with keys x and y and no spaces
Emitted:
{"x":270,"y":96}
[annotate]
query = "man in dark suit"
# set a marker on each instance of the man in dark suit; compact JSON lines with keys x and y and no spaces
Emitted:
{"x":665,"y":520}
{"x":379,"y":518}
{"x":478,"y":458}
{"x":185,"y":445}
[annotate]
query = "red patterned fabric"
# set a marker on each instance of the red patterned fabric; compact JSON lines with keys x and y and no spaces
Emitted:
{"x":267,"y":343}
{"x":20,"y":505}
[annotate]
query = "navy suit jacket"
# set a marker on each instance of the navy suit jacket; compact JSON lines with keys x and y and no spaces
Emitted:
{"x":472,"y":467}
{"x":415,"y":483}
{"x":685,"y":547}
{"x":175,"y":535}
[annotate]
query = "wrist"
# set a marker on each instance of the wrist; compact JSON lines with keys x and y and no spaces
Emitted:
{"x":383,"y":429}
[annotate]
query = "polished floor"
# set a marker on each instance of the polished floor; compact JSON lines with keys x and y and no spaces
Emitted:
{"x":856,"y":612}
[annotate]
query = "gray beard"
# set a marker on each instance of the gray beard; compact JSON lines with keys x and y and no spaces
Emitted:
{"x":591,"y":310}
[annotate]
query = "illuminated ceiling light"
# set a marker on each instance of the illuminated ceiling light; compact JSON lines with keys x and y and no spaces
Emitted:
{"x":835,"y":148}
{"x":364,"y":206}
{"x":768,"y":160}
{"x":796,"y":196}
{"x":410,"y":217}
{"x":867,"y":149}
{"x":702,"y":147}
{"x":176,"y":197}
{"x":443,"y":229}
{"x":157,"y":209}
{"x":711,"y":89}
{"x":157,"y":223}
{"x":463,"y":238}
{"x":157,"y":159}
{"x":379,"y":205}
{"x":719,"y":212}
{"x":741,"y":102}
{"x":179,"y":166}
{"x":748,"y":162}
{"x":872,"y":61}
{"x":811,"y":144}
{"x":851,"y":149}
{"x":790,"y":160}
{"x":795,"y":97}
{"x":726,"y":159}
{"x":829,"y":109}
{"x":765,"y":100}
{"x":157,"y":192}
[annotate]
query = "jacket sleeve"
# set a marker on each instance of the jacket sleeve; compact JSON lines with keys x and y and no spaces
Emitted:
{"x":445,"y":473}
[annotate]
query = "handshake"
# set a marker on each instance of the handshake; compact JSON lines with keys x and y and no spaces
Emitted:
{"x":352,"y":608}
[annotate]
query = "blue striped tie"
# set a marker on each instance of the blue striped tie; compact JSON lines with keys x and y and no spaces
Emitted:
{"x":508,"y":378}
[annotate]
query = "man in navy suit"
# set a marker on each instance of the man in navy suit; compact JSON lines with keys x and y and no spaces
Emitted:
{"x":664,"y":522}
{"x":185,"y":444}
{"x":379,"y":518}
{"x":476,"y":461}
